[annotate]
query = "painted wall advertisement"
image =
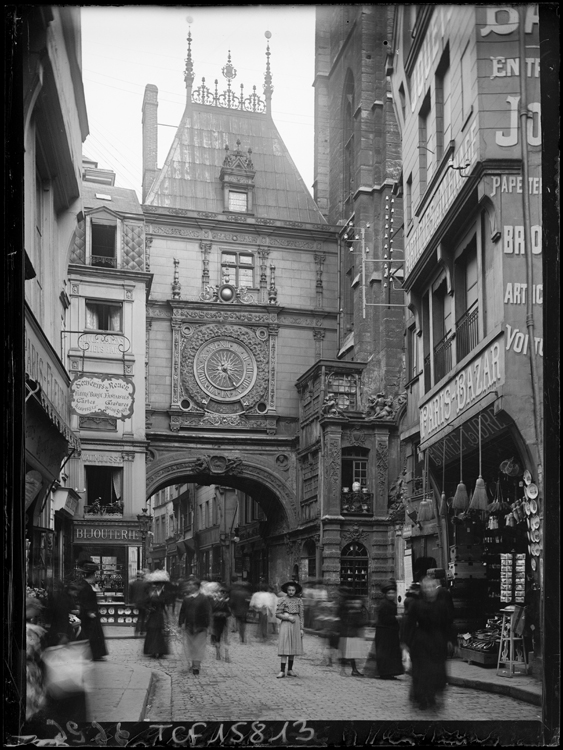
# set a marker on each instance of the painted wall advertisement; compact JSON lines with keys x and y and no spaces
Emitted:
{"x":96,"y":394}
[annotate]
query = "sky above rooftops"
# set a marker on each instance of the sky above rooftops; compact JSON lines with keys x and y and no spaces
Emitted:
{"x":125,"y":48}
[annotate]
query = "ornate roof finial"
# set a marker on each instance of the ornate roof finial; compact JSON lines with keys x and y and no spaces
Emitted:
{"x":268,"y":88}
{"x":229,"y":71}
{"x":189,"y":69}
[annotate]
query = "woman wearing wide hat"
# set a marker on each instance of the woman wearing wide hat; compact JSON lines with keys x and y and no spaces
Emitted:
{"x":388,"y":653}
{"x":290,"y":612}
{"x":156,"y":618}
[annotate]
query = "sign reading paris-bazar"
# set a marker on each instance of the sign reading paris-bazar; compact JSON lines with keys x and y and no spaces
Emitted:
{"x":102,"y":396}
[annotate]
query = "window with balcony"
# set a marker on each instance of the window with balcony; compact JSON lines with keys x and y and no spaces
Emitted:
{"x":442,"y":330}
{"x":104,"y":488}
{"x":237,"y":269}
{"x":104,"y":316}
{"x":103,"y":244}
{"x":467,"y":299}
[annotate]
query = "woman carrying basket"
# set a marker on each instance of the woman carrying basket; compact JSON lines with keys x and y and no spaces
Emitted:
{"x":290,"y":612}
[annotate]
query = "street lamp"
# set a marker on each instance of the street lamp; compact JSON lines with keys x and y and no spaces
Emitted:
{"x":145,"y":520}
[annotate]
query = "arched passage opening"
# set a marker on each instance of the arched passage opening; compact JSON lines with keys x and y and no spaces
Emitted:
{"x":218,"y":518}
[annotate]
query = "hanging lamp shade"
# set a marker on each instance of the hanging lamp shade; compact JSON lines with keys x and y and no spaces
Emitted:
{"x":426,"y":510}
{"x":460,"y":503}
{"x":479,"y":500}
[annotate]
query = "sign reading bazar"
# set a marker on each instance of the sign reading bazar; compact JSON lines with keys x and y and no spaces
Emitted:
{"x":102,"y":395}
{"x":484,"y":374}
{"x":106,"y":533}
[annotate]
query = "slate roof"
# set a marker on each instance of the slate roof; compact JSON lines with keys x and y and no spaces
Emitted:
{"x":123,"y":200}
{"x":190,"y":180}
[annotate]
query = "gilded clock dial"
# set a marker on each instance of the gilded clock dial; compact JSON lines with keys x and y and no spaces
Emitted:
{"x":225,"y":369}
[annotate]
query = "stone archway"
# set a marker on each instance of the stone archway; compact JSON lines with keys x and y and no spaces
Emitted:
{"x":227,"y":469}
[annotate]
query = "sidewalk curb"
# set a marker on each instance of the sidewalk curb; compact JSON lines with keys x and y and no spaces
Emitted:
{"x":148,"y":696}
{"x":513,"y":691}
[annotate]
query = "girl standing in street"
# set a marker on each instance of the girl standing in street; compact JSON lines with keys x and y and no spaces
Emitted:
{"x":290,"y":612}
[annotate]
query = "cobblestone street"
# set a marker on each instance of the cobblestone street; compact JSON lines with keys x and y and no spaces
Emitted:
{"x":246,"y":689}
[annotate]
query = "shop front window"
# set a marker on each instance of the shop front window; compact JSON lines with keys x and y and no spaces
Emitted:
{"x":354,"y":568}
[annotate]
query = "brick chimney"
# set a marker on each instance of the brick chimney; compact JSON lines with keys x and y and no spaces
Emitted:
{"x":150,"y":137}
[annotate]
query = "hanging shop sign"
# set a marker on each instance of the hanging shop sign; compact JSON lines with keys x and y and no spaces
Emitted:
{"x":484,"y":374}
{"x":103,"y":395}
{"x":106,"y":533}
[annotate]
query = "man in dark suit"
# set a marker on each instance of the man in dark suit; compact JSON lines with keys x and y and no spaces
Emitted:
{"x":138,"y":592}
{"x":89,"y":613}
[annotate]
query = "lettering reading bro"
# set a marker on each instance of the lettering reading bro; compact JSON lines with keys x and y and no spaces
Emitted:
{"x":473,"y":381}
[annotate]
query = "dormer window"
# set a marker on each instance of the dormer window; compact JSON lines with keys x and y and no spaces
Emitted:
{"x":237,"y":176}
{"x":103,"y":239}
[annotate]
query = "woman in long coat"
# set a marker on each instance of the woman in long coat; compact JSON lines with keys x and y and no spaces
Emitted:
{"x":89,"y":614}
{"x":426,"y":635}
{"x":290,"y":611}
{"x":155,"y":621}
{"x":195,"y":619}
{"x":387,"y":643}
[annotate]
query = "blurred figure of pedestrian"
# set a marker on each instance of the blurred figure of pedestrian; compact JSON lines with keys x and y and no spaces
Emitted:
{"x":353,"y":618}
{"x":272,"y":607}
{"x":290,"y":611}
{"x":194,"y":618}
{"x":326,"y":624}
{"x":263,"y":602}
{"x":388,"y":654}
{"x":35,"y":694}
{"x":444,"y":594}
{"x":57,"y":613}
{"x":89,"y":614}
{"x":156,"y":623}
{"x":171,"y":594}
{"x":425,"y":633}
{"x":220,"y":613}
{"x":239,"y":602}
{"x":138,"y":592}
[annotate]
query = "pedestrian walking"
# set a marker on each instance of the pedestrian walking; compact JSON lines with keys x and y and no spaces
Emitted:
{"x":194,"y":618}
{"x":290,"y":612}
{"x":262,"y":602}
{"x":353,"y":618}
{"x":89,"y":614}
{"x":426,"y":628}
{"x":156,"y":623}
{"x":171,"y":594}
{"x":138,"y":592}
{"x":239,"y":602}
{"x":326,"y":624}
{"x":220,"y":613}
{"x":388,"y":653}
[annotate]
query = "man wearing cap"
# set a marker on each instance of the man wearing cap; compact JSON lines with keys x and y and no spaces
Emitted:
{"x":89,"y":613}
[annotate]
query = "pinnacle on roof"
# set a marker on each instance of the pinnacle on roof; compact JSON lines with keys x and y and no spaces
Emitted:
{"x":228,"y":99}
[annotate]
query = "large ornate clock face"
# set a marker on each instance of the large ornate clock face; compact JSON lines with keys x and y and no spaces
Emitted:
{"x":225,"y":369}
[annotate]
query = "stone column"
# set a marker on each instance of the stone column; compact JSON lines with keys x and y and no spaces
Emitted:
{"x":331,"y":519}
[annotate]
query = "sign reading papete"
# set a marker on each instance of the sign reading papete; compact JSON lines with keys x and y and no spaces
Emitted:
{"x":102,"y":395}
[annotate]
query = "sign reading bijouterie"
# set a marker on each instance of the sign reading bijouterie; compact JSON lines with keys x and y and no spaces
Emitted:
{"x":105,"y":533}
{"x":102,"y":395}
{"x":484,"y":374}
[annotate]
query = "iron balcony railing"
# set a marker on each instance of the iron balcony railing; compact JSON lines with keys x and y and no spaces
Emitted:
{"x":104,"y":261}
{"x":356,"y":503}
{"x":97,"y":509}
{"x":467,"y":333}
{"x":443,"y":357}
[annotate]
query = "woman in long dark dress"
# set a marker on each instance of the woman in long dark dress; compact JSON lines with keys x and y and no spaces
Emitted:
{"x":387,"y":643}
{"x":89,"y":613}
{"x":156,"y":619}
{"x":426,"y":635}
